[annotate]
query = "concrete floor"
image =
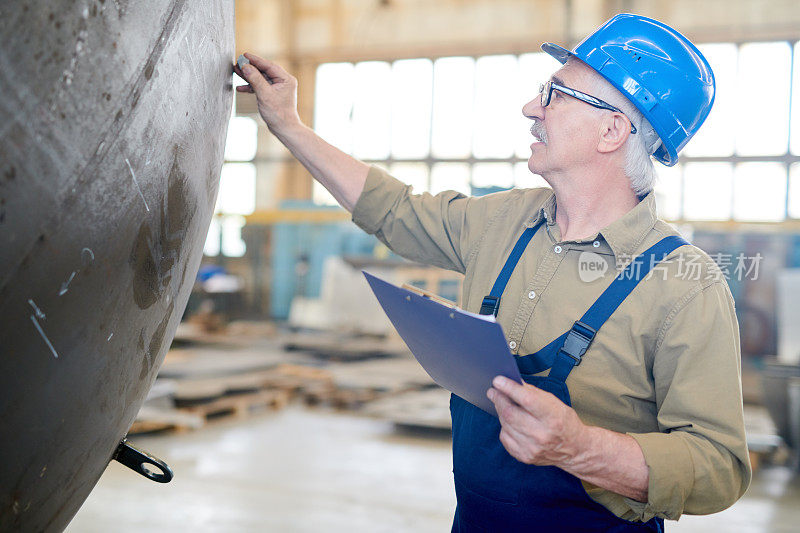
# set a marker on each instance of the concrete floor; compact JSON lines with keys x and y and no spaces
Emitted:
{"x":311,"y":470}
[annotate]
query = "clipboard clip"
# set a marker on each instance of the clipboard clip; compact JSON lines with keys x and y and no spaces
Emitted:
{"x":429,"y":295}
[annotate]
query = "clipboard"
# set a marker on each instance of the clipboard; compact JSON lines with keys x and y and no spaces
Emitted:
{"x":461,"y":351}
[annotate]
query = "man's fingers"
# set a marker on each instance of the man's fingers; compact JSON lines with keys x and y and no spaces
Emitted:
{"x":255,"y":78}
{"x":529,"y":397}
{"x":272,"y":70}
{"x":511,"y":444}
{"x":516,"y":431}
{"x":508,"y":411}
{"x":238,"y":71}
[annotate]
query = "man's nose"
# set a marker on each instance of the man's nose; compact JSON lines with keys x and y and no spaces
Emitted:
{"x":534,"y":109}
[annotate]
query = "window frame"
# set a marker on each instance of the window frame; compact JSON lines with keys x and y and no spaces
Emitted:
{"x":786,"y":159}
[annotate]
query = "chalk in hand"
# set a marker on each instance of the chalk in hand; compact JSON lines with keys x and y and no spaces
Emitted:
{"x":242,"y":61}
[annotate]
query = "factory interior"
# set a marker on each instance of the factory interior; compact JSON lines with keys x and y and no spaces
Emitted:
{"x":287,"y":400}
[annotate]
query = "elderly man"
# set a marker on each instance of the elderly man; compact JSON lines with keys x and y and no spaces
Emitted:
{"x":631,"y":411}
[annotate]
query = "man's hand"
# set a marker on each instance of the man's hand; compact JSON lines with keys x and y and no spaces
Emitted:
{"x":537,"y":427}
{"x":275,"y":90}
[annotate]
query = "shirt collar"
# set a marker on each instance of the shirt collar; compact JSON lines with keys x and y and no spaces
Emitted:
{"x":624,"y":235}
{"x":547,"y":211}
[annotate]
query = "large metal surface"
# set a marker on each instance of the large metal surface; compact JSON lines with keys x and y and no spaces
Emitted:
{"x":113,"y":116}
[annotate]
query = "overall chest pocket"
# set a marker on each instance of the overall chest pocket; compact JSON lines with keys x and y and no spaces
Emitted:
{"x":480,"y":463}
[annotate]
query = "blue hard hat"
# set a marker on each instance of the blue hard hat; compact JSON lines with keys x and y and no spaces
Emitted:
{"x":663,"y":74}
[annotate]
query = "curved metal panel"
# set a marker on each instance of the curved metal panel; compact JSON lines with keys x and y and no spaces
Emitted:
{"x":113,"y":116}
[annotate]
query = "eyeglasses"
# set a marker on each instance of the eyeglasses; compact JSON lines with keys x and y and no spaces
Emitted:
{"x":547,"y":89}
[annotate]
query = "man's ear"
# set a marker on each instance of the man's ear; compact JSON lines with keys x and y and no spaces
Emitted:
{"x":614,"y":131}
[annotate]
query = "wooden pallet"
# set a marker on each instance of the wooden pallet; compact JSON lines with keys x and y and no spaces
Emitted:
{"x":356,"y":383}
{"x":206,"y":389}
{"x":152,"y":419}
{"x":193,"y":401}
{"x":329,"y":346}
{"x":340,"y":398}
{"x":216,"y":361}
{"x":185,"y":419}
{"x":239,"y":405}
{"x":283,"y":382}
{"x":242,"y":333}
{"x":140,"y":427}
{"x":426,"y":410}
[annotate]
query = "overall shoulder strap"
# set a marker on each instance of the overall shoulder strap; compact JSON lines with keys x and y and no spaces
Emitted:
{"x":565,"y":352}
{"x":491,"y":303}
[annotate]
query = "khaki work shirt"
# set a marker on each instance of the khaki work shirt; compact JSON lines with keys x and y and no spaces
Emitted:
{"x":665,"y":368}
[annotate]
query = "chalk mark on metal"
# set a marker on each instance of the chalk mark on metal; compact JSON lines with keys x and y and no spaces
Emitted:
{"x":65,"y":285}
{"x":137,"y":185}
{"x":44,"y":337}
{"x":91,"y":256}
{"x":38,"y":311}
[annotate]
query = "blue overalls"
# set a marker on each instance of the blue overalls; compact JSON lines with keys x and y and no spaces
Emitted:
{"x":495,"y":492}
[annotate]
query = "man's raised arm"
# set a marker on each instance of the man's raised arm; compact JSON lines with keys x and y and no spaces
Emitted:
{"x":276,"y":92}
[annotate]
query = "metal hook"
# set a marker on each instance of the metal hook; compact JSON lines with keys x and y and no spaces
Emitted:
{"x":136,"y":460}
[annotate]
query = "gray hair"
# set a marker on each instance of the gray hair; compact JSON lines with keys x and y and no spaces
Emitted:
{"x":639,"y":147}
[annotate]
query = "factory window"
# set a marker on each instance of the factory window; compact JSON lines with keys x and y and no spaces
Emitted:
{"x":449,"y":176}
{"x":411,"y":86}
{"x":716,"y":137}
{"x":237,"y":188}
{"x":236,"y":185}
{"x":767,"y":183}
{"x":669,"y":192}
{"x":794,"y":191}
{"x":225,"y":235}
{"x":241,"y":142}
{"x":418,"y":174}
{"x":496,"y":107}
{"x":493,"y":175}
{"x":707,"y":190}
{"x":453,"y":94}
{"x":764,"y":129}
{"x":456,"y":123}
{"x":794,"y":132}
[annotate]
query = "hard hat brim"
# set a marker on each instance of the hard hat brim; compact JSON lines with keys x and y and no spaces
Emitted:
{"x":560,"y":53}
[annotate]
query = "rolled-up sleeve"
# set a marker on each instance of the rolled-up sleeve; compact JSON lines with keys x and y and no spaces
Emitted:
{"x":439,"y":230}
{"x":698,"y":462}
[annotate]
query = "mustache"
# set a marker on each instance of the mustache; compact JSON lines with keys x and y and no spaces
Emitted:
{"x":538,"y":131}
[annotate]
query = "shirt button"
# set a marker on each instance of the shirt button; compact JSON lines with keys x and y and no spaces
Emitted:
{"x":532,"y":295}
{"x":512,"y":345}
{"x":596,"y":244}
{"x":557,"y":249}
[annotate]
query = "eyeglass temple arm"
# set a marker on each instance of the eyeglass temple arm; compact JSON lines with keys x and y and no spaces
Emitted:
{"x":591,"y":100}
{"x":588,"y":98}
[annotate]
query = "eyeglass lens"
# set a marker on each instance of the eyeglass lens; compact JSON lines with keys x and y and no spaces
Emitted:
{"x":545,"y":90}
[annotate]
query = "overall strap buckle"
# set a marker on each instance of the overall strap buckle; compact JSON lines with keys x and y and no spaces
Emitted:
{"x":490,"y":305}
{"x":578,"y":340}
